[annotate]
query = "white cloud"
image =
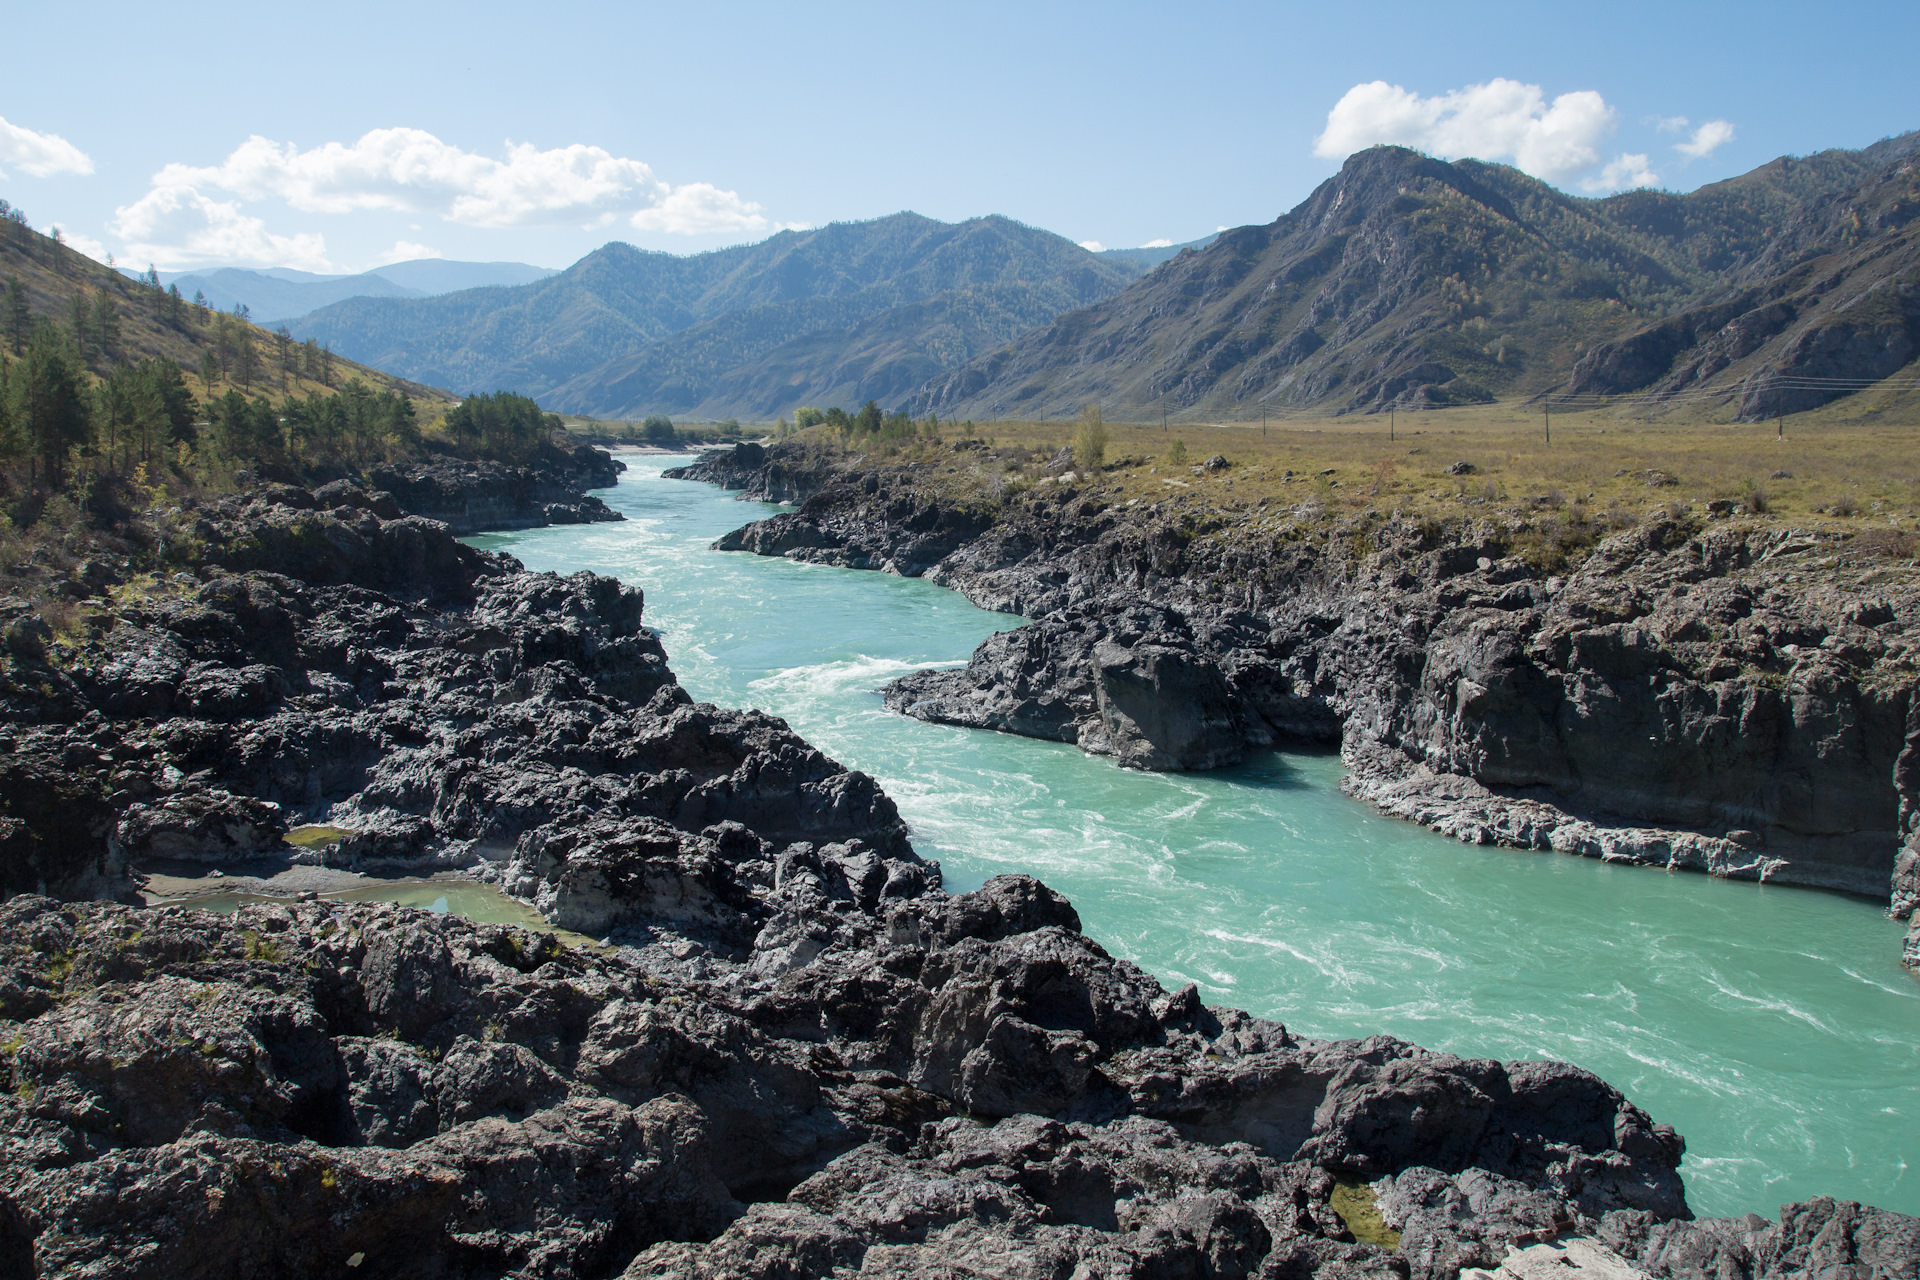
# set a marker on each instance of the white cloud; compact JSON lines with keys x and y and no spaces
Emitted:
{"x":1161,"y":243}
{"x":1707,"y":139}
{"x":40,"y":155}
{"x":175,"y":226}
{"x":1621,"y":172}
{"x":1093,"y":246}
{"x":1668,"y":124}
{"x":1500,"y":120}
{"x":700,"y":208}
{"x":411,"y":171}
{"x":408,"y":251}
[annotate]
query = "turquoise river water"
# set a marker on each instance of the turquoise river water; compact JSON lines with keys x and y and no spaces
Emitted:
{"x":1773,"y":1027}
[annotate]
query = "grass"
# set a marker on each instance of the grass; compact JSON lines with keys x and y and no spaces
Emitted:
{"x":1354,"y":1203}
{"x":1599,"y":468}
{"x":315,"y":835}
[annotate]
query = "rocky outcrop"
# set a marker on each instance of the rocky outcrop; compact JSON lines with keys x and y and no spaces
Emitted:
{"x":469,"y":497}
{"x":1731,"y":698}
{"x":836,"y":1068}
{"x":935,"y":1080}
{"x":334,"y":666}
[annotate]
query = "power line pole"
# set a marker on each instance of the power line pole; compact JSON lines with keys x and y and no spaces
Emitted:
{"x":1547,"y":409}
{"x":1391,"y":411}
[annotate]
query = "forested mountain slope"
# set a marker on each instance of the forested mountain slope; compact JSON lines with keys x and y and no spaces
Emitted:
{"x":581,"y":340}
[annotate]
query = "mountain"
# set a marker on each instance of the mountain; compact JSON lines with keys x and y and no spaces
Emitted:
{"x":1408,"y":281}
{"x":1147,"y":257}
{"x":747,"y":331}
{"x":281,"y":293}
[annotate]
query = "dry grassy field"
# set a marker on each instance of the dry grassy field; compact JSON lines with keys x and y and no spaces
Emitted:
{"x":1856,"y":462}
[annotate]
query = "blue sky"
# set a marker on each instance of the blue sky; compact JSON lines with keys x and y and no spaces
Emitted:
{"x":336,"y":137}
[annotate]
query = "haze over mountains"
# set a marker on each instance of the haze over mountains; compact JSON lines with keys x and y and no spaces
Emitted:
{"x":281,"y":293}
{"x":1403,"y":281}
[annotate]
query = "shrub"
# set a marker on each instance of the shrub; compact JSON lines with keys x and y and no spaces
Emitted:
{"x":1089,"y":439}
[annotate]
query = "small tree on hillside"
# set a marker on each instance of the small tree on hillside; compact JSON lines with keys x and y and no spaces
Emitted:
{"x":106,"y":324}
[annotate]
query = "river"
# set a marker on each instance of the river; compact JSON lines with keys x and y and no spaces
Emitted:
{"x":1773,"y":1027}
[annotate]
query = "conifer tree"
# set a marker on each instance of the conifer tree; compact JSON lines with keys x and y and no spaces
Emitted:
{"x":18,"y":318}
{"x":79,"y":323}
{"x":52,"y":403}
{"x":106,"y":324}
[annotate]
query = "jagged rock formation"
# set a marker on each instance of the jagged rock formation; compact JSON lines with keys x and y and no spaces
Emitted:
{"x":469,"y":497}
{"x":1734,"y":699}
{"x":334,"y":665}
{"x":281,"y":1091}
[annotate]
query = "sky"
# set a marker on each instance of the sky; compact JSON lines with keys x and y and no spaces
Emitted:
{"x":341,"y":137}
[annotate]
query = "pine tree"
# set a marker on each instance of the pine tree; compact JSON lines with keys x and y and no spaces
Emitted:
{"x":19,"y":320}
{"x":53,"y":403}
{"x":209,"y":370}
{"x":106,"y":324}
{"x":79,"y":323}
{"x":245,"y":358}
{"x":176,"y":307}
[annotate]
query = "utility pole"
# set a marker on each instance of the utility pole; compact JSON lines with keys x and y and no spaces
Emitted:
{"x":1391,"y":411}
{"x":1163,"y":418}
{"x":1263,"y":422}
{"x":1548,"y":410}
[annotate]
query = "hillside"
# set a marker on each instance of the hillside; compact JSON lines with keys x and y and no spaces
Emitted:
{"x":1410,"y":282}
{"x":282,"y":293}
{"x":147,"y":322}
{"x":624,"y":332}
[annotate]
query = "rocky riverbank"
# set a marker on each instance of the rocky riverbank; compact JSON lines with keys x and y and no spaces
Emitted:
{"x":795,"y":1055}
{"x":470,"y":497}
{"x":1723,"y":695}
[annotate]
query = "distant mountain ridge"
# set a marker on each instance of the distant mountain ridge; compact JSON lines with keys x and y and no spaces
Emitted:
{"x":280,"y":293}
{"x":1406,"y":281}
{"x":737,"y":331}
{"x":1148,"y":257}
